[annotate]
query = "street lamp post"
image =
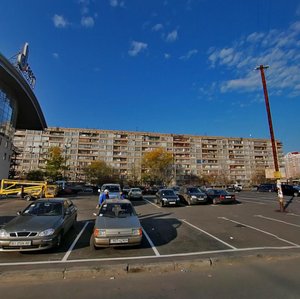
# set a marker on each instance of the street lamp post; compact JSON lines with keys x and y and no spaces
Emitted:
{"x":277,"y":174}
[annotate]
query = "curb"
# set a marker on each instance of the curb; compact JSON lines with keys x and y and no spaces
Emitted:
{"x":117,"y":270}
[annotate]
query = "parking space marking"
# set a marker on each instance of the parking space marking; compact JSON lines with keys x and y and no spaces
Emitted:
{"x":151,"y":243}
{"x":147,"y":256}
{"x":277,"y":220}
{"x":210,"y":235}
{"x":293,"y":214}
{"x":254,"y":202}
{"x":74,"y":242}
{"x":260,"y":230}
{"x":153,"y":204}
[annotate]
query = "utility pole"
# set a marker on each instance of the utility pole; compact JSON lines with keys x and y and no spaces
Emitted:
{"x":277,"y":174}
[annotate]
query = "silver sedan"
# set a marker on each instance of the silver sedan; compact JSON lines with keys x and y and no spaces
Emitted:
{"x":117,"y":224}
{"x":40,"y":226}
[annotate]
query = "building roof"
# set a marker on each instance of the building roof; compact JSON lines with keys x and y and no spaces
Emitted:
{"x":30,"y":115}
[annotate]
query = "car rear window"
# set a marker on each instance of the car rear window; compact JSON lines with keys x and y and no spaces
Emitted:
{"x":117,"y":210}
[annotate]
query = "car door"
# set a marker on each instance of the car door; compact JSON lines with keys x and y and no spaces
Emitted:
{"x":69,"y":215}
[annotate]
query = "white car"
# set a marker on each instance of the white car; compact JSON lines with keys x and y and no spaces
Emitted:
{"x":135,"y":193}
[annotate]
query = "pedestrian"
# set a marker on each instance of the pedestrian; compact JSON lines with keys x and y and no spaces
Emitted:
{"x":103,"y":196}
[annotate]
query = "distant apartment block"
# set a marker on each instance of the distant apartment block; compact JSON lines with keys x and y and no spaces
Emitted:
{"x":239,"y":159}
{"x":292,"y":165}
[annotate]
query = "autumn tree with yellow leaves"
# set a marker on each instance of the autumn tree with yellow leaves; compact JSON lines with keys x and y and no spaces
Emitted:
{"x":157,"y":166}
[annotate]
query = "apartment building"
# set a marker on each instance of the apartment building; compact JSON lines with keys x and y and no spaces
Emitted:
{"x":292,"y":165}
{"x":237,"y":159}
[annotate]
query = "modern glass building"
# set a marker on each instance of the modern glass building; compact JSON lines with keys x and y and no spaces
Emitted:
{"x":19,"y":109}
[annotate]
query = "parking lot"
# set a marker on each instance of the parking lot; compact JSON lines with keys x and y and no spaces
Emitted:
{"x":170,"y":232}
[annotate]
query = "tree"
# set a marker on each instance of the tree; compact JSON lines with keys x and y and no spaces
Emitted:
{"x":259,"y":177}
{"x":208,"y":179}
{"x":98,"y":172}
{"x":55,"y":164}
{"x":35,"y":175}
{"x":157,"y":166}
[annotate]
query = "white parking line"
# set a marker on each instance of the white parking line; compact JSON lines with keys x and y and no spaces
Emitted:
{"x":148,"y":256}
{"x":64,"y":259}
{"x":153,"y":204}
{"x":293,"y":214}
{"x":203,"y":231}
{"x":151,"y":243}
{"x":277,"y":220}
{"x":254,"y":202}
{"x":260,"y":230}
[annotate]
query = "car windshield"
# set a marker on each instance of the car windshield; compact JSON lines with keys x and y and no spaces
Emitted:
{"x":136,"y":190}
{"x":117,"y":210}
{"x":168,"y":193}
{"x":44,"y":209}
{"x":193,"y":190}
{"x":113,"y":188}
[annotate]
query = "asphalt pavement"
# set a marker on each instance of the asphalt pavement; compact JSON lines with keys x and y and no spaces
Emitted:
{"x":183,"y":237}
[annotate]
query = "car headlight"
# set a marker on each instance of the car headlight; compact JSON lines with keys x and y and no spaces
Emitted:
{"x":99,"y":232}
{"x":164,"y":199}
{"x":47,"y":232}
{"x":137,"y":231}
{"x":194,"y":197}
{"x":3,"y":233}
{"x":177,"y":198}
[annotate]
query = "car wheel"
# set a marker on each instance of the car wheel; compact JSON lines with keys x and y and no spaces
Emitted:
{"x":92,"y":244}
{"x":59,"y":239}
{"x":188,"y":201}
{"x":27,"y":197}
{"x":74,"y":223}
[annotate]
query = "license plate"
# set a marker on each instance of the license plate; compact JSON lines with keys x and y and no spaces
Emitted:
{"x":200,"y":198}
{"x":20,"y":243}
{"x":118,"y":241}
{"x":228,"y":196}
{"x":172,"y":202}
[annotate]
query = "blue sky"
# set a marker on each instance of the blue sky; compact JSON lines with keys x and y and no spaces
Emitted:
{"x":174,"y":66}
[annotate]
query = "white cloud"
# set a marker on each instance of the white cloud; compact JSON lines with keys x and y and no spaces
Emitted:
{"x":116,"y":3}
{"x":136,"y":48}
{"x":279,"y":49}
{"x":167,"y":56}
{"x":55,"y":55}
{"x":298,"y":10}
{"x":157,"y":27}
{"x":60,"y":21}
{"x":172,"y":36}
{"x":189,"y":54}
{"x":87,"y":22}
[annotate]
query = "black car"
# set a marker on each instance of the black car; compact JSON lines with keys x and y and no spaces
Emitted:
{"x":192,"y":195}
{"x":290,"y":190}
{"x":267,"y":188}
{"x":166,"y":197}
{"x":216,"y":196}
